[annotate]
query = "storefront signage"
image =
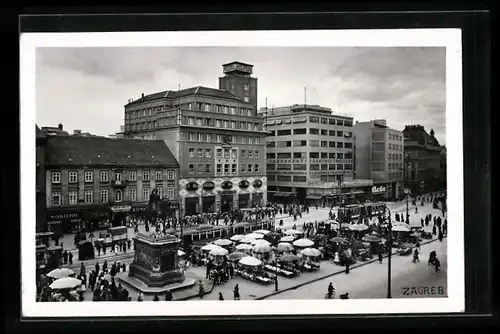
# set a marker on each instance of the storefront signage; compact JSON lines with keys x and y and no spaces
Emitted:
{"x":62,"y":216}
{"x":244,"y":184}
{"x":376,"y":189}
{"x":226,"y":192}
{"x":257,"y":183}
{"x":226,"y":185}
{"x":121,"y":208}
{"x":286,"y":172}
{"x":192,"y":186}
{"x":301,"y":119}
{"x":270,"y":122}
{"x":209,"y":185}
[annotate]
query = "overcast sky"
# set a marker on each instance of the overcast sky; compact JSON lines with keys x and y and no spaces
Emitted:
{"x":86,"y":88}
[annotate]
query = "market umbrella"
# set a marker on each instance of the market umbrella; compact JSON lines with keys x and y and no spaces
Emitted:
{"x":246,"y":240}
{"x":400,"y":228}
{"x":244,"y":247}
{"x":285,"y":247}
{"x":288,"y":238}
{"x":262,"y":232}
{"x":261,"y":248}
{"x":60,"y":273}
{"x":293,"y":232}
{"x":338,"y":240}
{"x":209,"y":247}
{"x":289,"y":258}
{"x":312,"y":252}
{"x":358,"y":227}
{"x":274,"y":234}
{"x":259,"y":242}
{"x":65,"y":283}
{"x":303,"y":243}
{"x":223,"y":242}
{"x":237,"y":237}
{"x":250,"y":261}
{"x":254,"y":236}
{"x":236,"y":256}
{"x":371,"y":238}
{"x":218,"y":252}
{"x":180,"y":253}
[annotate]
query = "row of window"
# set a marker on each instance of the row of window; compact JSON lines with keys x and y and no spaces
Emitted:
{"x":312,"y":155}
{"x":233,"y":154}
{"x":395,"y":137}
{"x":302,"y":178}
{"x":312,"y":119}
{"x":393,"y":156}
{"x":133,"y":114}
{"x":395,"y":166}
{"x":198,"y":121}
{"x":88,"y":196}
{"x":395,"y":147}
{"x":209,"y":137}
{"x":312,"y":143}
{"x":104,"y":176}
{"x":228,"y":168}
{"x":311,"y":167}
{"x":312,"y":131}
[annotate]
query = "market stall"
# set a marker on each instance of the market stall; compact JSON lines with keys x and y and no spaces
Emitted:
{"x":251,"y":268}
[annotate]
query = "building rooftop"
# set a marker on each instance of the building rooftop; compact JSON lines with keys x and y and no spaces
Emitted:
{"x":198,"y":90}
{"x":417,"y":133}
{"x":299,"y":108}
{"x":39,"y":133}
{"x":87,"y":151}
{"x":237,"y":62}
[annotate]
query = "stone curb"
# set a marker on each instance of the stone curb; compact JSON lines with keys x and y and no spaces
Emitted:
{"x":332,"y":274}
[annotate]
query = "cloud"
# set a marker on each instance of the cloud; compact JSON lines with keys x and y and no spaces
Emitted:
{"x":86,"y":88}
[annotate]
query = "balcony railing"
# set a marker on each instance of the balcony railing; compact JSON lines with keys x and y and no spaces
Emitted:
{"x":121,"y":183}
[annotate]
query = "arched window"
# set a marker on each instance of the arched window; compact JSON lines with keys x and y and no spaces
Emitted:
{"x":118,"y":195}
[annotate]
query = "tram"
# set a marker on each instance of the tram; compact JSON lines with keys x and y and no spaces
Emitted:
{"x":354,"y":211}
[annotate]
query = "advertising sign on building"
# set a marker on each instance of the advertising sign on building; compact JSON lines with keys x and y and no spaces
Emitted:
{"x":376,"y":189}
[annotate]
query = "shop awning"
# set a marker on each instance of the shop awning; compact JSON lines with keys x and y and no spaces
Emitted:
{"x":283,"y":194}
{"x":310,"y":196}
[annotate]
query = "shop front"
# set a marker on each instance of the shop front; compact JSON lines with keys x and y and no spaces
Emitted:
{"x":379,"y":193}
{"x":226,"y":200}
{"x":192,"y":203}
{"x":138,"y":208}
{"x":315,"y":200}
{"x":244,"y":201}
{"x":208,"y":197}
{"x":73,"y":219}
{"x":257,"y":199}
{"x":119,"y":214}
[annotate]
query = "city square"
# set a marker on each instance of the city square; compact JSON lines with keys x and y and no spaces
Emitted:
{"x":214,"y":194}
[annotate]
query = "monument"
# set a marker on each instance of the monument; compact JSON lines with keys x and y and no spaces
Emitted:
{"x":155,"y":268}
{"x":155,"y":262}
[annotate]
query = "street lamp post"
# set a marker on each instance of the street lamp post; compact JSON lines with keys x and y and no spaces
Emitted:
{"x":276,"y":288}
{"x":389,"y":258}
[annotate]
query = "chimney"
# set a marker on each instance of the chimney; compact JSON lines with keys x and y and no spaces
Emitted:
{"x":60,"y":126}
{"x":142,"y":96}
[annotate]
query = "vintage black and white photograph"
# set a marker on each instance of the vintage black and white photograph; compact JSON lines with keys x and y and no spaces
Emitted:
{"x":303,"y":174}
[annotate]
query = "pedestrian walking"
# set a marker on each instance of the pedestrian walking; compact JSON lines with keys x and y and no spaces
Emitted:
{"x":347,"y":266}
{"x":422,"y":222}
{"x":236,"y":292}
{"x":221,"y":297}
{"x":415,"y":256}
{"x":380,"y":257}
{"x":201,"y":289}
{"x":65,"y":257}
{"x":437,"y":265}
{"x":440,"y":237}
{"x":70,"y":258}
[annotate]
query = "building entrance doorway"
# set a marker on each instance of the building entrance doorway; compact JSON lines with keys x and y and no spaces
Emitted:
{"x":192,"y":206}
{"x":226,"y":203}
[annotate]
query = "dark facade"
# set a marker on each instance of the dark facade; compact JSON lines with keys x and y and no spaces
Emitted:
{"x":91,"y":179}
{"x":422,"y":160}
{"x":41,"y":207}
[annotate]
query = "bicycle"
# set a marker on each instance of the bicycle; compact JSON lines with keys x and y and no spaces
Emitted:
{"x":328,"y":296}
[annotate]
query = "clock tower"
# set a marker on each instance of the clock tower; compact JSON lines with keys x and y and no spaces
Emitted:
{"x":237,"y":79}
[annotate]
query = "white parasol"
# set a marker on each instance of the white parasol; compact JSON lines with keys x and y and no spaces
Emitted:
{"x":261,"y":248}
{"x":285,"y":247}
{"x":262,"y":232}
{"x":250,"y":261}
{"x":209,"y":247}
{"x":223,"y":242}
{"x":293,"y":232}
{"x":260,"y":242}
{"x":303,"y":243}
{"x":244,"y":247}
{"x":65,"y":283}
{"x":218,"y":252}
{"x":288,"y":238}
{"x":246,"y":240}
{"x":237,"y":237}
{"x":254,"y":236}
{"x":60,"y":273}
{"x":311,"y":252}
{"x":358,"y":227}
{"x":180,"y":253}
{"x":401,"y":228}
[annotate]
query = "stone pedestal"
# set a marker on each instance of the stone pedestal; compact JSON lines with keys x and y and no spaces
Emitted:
{"x":155,"y":262}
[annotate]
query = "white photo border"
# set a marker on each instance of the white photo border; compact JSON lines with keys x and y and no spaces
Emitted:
{"x":449,"y":38}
